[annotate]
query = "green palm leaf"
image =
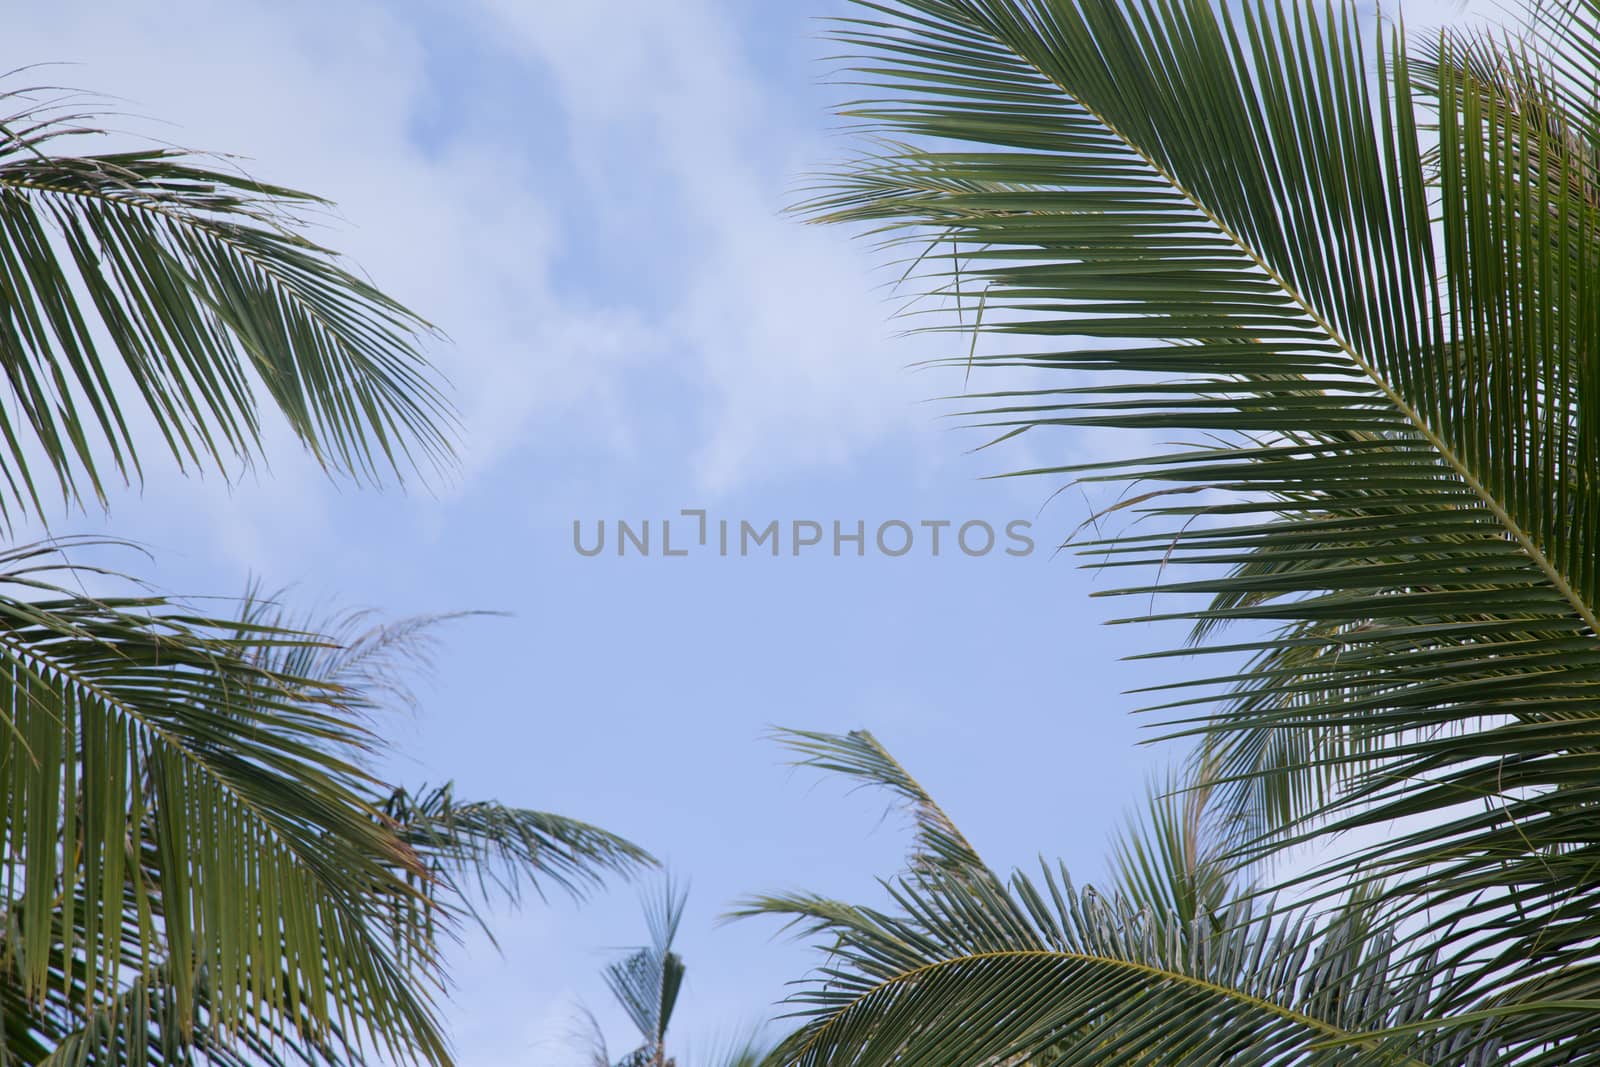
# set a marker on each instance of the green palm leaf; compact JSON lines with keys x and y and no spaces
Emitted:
{"x":1230,"y":213}
{"x":938,"y":845}
{"x":647,"y":981}
{"x":142,"y":754}
{"x":473,"y":850}
{"x":480,"y":850}
{"x":1169,"y":860}
{"x":201,"y":868}
{"x":202,"y":286}
{"x":968,"y":970}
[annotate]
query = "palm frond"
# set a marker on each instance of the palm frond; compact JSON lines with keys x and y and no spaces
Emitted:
{"x":647,"y":981}
{"x":200,"y":286}
{"x":1168,"y":859}
{"x":750,"y":1050}
{"x":201,"y":869}
{"x":473,"y":850}
{"x":937,"y":843}
{"x":1388,"y":352}
{"x":167,"y":803}
{"x":966,"y":970}
{"x":483,"y":849}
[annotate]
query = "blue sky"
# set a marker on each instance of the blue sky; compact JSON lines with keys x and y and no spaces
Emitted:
{"x":586,"y":198}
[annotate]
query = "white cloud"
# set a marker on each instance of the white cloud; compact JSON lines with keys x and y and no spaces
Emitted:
{"x":769,"y":330}
{"x":647,"y":129}
{"x":781,"y":323}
